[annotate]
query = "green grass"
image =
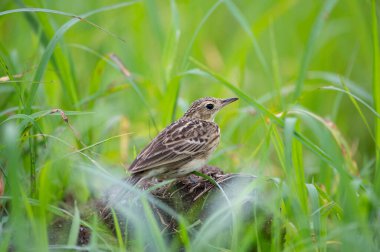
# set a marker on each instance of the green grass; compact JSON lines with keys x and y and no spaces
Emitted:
{"x":307,"y":123}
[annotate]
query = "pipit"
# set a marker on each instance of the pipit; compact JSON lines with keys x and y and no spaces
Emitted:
{"x":184,"y":146}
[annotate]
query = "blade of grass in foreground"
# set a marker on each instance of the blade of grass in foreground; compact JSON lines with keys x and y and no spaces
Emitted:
{"x":118,"y":230}
{"x":158,"y":239}
{"x":376,"y":91}
{"x":315,"y":214}
{"x":296,"y":203}
{"x":74,"y":230}
{"x":14,"y":165}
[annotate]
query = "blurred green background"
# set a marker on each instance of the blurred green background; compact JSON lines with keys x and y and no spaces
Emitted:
{"x":311,"y":61}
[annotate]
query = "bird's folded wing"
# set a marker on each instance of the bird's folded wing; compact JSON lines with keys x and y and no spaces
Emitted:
{"x":176,"y":145}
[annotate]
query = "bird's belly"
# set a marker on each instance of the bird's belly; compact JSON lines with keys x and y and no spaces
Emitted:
{"x":184,"y":170}
{"x":155,"y":172}
{"x":193,"y":165}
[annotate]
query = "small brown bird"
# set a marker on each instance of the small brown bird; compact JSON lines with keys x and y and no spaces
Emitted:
{"x":184,"y":146}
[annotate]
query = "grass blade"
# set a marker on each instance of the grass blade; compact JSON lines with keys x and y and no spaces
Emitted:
{"x":118,"y":230}
{"x":74,"y":230}
{"x":238,"y":15}
{"x":158,"y":239}
{"x":315,"y":31}
{"x":315,"y":210}
{"x":52,"y":44}
{"x":376,"y":92}
{"x":353,"y":98}
{"x":176,"y":82}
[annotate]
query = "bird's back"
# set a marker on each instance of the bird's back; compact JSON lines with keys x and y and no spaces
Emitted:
{"x":178,"y":149}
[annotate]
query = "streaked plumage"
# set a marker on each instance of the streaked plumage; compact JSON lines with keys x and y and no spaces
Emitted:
{"x":184,"y":146}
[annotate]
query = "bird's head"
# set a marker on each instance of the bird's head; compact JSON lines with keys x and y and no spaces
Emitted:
{"x":206,"y":108}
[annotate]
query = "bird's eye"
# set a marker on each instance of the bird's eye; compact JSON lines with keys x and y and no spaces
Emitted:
{"x":210,"y":106}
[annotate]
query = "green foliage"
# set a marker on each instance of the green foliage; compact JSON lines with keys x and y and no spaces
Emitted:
{"x":84,"y":85}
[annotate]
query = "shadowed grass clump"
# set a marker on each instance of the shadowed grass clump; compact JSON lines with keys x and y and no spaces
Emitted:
{"x":84,"y":86}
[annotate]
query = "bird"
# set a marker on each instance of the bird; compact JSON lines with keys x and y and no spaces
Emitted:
{"x":182,"y":147}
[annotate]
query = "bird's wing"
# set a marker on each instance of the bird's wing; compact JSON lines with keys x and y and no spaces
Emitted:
{"x":178,"y":144}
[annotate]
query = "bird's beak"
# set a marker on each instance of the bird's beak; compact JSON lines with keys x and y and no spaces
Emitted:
{"x":228,"y":101}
